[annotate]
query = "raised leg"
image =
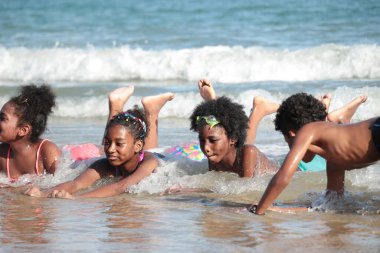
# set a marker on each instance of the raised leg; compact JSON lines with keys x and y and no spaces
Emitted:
{"x":261,"y":107}
{"x":326,"y":100}
{"x":344,"y":114}
{"x":152,"y":106}
{"x":117,"y":99}
{"x":206,"y":90}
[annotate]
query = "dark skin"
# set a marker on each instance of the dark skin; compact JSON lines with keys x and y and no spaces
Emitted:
{"x":16,"y":137}
{"x":345,"y":147}
{"x":222,"y":153}
{"x":122,"y":152}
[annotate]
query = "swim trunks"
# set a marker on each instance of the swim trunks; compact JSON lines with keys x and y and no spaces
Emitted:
{"x":317,"y":164}
{"x":376,"y":134}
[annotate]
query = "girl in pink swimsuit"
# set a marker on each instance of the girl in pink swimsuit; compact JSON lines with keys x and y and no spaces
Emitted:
{"x":23,"y":120}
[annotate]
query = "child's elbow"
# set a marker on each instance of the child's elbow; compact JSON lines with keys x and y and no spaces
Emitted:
{"x":282,"y":181}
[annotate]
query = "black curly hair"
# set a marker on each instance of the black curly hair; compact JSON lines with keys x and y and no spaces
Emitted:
{"x":231,"y":116}
{"x":33,"y":106}
{"x":298,"y":110}
{"x":135,"y":120}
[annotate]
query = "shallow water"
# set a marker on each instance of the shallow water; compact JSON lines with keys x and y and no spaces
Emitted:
{"x":195,"y":223}
{"x":212,"y":220}
{"x":215,"y":220}
{"x":85,"y":49}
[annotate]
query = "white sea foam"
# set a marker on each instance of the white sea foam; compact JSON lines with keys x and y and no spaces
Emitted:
{"x":184,"y":103}
{"x":96,"y":105}
{"x":219,"y":63}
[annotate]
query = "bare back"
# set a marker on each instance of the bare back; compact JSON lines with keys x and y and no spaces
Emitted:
{"x":348,"y":145}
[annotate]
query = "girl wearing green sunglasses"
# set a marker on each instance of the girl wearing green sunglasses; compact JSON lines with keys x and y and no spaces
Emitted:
{"x":226,"y":134}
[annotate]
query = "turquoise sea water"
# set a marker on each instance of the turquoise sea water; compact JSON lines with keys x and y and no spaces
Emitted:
{"x":188,"y":24}
{"x":85,"y":49}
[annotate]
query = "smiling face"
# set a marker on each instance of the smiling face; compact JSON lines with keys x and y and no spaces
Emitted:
{"x":8,"y":123}
{"x":120,"y":146}
{"x":215,"y":143}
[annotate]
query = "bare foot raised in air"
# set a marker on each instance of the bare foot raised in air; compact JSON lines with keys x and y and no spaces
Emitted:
{"x":326,"y":100}
{"x":263,"y":107}
{"x":206,"y":90}
{"x":117,"y":98}
{"x":343,"y":115}
{"x":153,"y":104}
{"x":260,"y":108}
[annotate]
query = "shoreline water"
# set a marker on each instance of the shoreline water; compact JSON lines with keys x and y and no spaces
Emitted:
{"x":85,"y":49}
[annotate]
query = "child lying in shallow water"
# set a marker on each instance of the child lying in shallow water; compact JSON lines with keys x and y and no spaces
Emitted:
{"x":345,"y":147}
{"x":227,"y":136}
{"x":126,"y":137}
{"x":23,"y":120}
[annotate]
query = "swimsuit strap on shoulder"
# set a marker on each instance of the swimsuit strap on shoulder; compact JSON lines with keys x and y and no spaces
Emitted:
{"x":141,"y":157}
{"x":8,"y":171}
{"x":38,"y":155}
{"x":36,"y":168}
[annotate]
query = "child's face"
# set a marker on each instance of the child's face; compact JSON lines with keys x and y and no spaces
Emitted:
{"x":215,"y":143}
{"x":120,"y":146}
{"x":8,"y":123}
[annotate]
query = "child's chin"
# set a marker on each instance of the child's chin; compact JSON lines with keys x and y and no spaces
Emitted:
{"x":114,"y":163}
{"x":213,"y":160}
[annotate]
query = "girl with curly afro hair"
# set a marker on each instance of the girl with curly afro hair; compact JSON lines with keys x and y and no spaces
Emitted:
{"x":23,"y":120}
{"x":227,"y":139}
{"x":227,"y":135}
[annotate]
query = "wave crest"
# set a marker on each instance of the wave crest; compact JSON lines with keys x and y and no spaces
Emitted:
{"x":218,"y":63}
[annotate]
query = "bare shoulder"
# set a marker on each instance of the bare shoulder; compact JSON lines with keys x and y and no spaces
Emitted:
{"x":49,"y":147}
{"x":316,"y":129}
{"x":316,"y":126}
{"x":249,"y":148}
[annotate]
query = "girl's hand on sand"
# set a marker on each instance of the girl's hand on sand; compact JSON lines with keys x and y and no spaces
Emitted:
{"x":61,"y":194}
{"x":33,"y":192}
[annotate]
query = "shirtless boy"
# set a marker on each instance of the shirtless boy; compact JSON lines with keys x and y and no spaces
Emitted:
{"x":344,"y":146}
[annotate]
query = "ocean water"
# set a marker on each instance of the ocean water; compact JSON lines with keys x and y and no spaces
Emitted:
{"x":85,"y":49}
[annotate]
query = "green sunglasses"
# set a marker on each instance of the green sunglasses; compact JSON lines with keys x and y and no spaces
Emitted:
{"x":210,"y":120}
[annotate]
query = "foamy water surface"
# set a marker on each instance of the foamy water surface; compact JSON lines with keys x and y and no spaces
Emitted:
{"x":85,"y":49}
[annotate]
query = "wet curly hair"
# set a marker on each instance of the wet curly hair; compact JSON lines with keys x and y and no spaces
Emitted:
{"x":33,"y":106}
{"x":231,"y":116}
{"x":134,"y":120}
{"x":298,"y":110}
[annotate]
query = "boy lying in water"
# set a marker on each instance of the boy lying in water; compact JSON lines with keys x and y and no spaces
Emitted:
{"x":344,"y":146}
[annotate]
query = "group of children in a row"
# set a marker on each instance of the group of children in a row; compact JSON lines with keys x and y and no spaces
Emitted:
{"x":226,"y":137}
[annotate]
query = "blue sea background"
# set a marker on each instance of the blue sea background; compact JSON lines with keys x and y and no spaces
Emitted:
{"x":85,"y":49}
